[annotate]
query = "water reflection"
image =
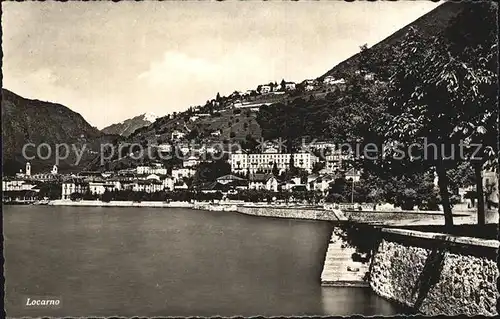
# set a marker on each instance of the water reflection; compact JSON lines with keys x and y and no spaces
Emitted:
{"x":346,"y":301}
{"x":171,"y":262}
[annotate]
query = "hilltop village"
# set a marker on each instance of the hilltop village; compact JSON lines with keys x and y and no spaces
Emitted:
{"x":261,"y":167}
{"x":209,"y":166}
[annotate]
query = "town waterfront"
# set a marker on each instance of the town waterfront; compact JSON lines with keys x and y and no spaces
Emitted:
{"x":105,"y":261}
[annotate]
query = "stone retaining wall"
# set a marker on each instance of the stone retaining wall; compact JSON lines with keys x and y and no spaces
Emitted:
{"x":402,"y":217}
{"x":298,"y":213}
{"x":436,"y":274}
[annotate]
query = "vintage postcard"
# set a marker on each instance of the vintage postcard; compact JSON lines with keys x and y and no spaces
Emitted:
{"x":250,"y":158}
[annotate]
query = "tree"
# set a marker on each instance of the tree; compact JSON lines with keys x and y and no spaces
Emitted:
{"x":210,"y":171}
{"x":51,"y":190}
{"x":75,"y":196}
{"x":478,"y":47}
{"x":249,"y":143}
{"x":107,"y":196}
{"x":275,"y":169}
{"x":318,"y":166}
{"x":89,"y":196}
{"x":443,"y":97}
{"x":283,"y":85}
{"x":291,"y":164}
{"x":193,"y":134}
{"x":490,"y":188}
{"x":461,"y":176}
{"x":334,"y":198}
{"x":400,"y":183}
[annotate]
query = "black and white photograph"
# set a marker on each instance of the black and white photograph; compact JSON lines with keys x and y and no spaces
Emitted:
{"x":250,"y":158}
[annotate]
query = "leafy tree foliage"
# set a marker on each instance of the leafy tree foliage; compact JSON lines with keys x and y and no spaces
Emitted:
{"x":445,"y":93}
{"x":209,"y":171}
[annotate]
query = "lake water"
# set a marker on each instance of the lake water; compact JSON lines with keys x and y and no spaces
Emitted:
{"x":171,"y":262}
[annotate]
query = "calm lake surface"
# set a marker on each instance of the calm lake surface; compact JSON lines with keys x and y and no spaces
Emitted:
{"x":171,"y":262}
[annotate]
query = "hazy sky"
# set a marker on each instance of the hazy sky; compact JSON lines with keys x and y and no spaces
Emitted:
{"x":112,"y":61}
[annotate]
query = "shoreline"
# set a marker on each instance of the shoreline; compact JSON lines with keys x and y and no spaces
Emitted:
{"x":304,"y":212}
{"x":214,"y":205}
{"x":280,"y":210}
{"x":228,"y":206}
{"x":98,"y":203}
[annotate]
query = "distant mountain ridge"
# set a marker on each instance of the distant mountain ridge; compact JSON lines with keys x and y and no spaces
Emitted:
{"x":433,"y":23}
{"x":33,"y":121}
{"x":430,"y":24}
{"x":128,"y":126}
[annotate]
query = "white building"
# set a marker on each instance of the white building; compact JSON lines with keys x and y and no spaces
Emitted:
{"x":319,"y":145}
{"x":153,"y":176}
{"x":369,"y":77}
{"x":148,"y":186}
{"x":242,"y":162}
{"x":168,"y":183}
{"x":321,"y":183}
{"x":252,"y":105}
{"x":179,"y":185}
{"x":166,"y":148}
{"x":228,"y":179}
{"x":45,"y":177}
{"x":333,"y":161}
{"x":331,"y":166}
{"x":28,"y":169}
{"x":180,"y":173}
{"x":490,"y":186}
{"x":73,"y":186}
{"x":184,"y":148}
{"x":99,"y":187}
{"x":265,"y":89}
{"x":215,"y":133}
{"x":177,"y":135}
{"x":263,"y":181}
{"x":289,"y":86}
{"x":353,"y":174}
{"x":294,"y":182}
{"x":16,"y":185}
{"x":330,"y":80}
{"x":191,"y":161}
{"x":146,"y":170}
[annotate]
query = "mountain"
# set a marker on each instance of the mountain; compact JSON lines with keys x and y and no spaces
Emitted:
{"x":430,"y":24}
{"x":32,"y":121}
{"x":128,"y":127}
{"x":291,"y":115}
{"x":301,"y":118}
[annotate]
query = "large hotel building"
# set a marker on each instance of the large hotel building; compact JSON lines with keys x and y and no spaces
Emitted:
{"x":242,"y":162}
